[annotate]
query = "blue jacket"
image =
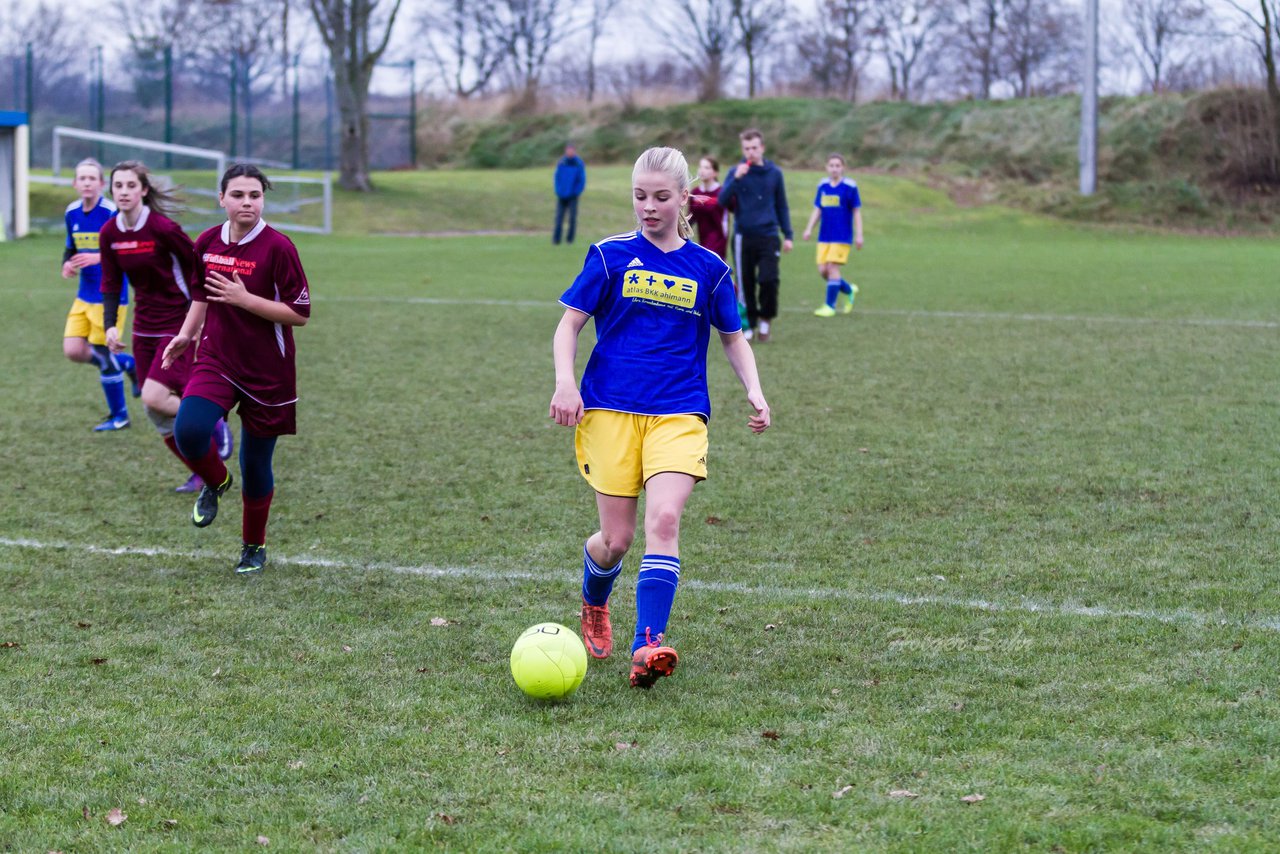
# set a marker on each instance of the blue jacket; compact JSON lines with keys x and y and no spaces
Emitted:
{"x":761,"y":196}
{"x":571,"y":177}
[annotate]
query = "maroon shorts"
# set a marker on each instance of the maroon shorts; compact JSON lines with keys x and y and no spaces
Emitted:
{"x":259,"y":419}
{"x":148,"y":352}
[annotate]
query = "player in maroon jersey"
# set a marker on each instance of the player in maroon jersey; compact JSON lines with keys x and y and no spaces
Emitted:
{"x":142,"y":242}
{"x":249,"y":293}
{"x":705,"y":210}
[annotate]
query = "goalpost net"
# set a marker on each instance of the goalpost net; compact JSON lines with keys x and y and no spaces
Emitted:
{"x":297,"y":202}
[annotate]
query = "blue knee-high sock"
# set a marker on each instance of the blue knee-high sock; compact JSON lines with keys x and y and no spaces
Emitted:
{"x":597,"y":581}
{"x":256,"y":474}
{"x":125,"y":361}
{"x":846,"y":289}
{"x":833,"y":291}
{"x":112,"y":379}
{"x":655,"y":591}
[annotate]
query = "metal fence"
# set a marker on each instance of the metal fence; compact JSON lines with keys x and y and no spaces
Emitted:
{"x":287,"y":118}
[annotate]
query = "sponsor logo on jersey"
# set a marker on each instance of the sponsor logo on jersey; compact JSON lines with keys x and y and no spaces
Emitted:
{"x":228,"y":263}
{"x":830,"y":201}
{"x":86,"y":241}
{"x":134,"y":247}
{"x":659,"y":288}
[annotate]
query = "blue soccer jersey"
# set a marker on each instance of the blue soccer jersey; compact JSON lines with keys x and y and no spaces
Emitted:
{"x":653,"y":311}
{"x":82,"y":236}
{"x":837,"y":205}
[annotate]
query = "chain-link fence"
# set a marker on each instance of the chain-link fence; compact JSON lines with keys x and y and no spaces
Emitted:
{"x":284,"y":115}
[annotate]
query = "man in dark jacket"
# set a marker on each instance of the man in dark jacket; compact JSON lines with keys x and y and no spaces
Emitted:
{"x":756,"y":186}
{"x":571,"y":180}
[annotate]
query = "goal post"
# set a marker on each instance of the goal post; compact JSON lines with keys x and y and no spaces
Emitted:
{"x":300,"y":202}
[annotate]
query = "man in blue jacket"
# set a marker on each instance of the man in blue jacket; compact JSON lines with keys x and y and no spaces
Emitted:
{"x":571,"y":180}
{"x":757,"y":189}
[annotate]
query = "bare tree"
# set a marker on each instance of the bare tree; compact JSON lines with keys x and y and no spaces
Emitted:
{"x":527,"y":31}
{"x":910,"y":33}
{"x":356,"y":36}
{"x":976,"y":33}
{"x":702,"y":32}
{"x":462,"y":43}
{"x":599,"y":12}
{"x":55,"y":47}
{"x":834,"y":46}
{"x":758,"y":21}
{"x":1262,"y":29}
{"x":1038,"y":46}
{"x":1158,"y":29}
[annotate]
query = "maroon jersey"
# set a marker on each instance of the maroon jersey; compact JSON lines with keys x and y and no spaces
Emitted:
{"x":711,"y":219}
{"x":157,"y":256}
{"x":253,"y":353}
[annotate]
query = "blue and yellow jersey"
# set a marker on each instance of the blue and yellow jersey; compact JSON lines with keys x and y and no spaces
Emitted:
{"x":82,"y":236}
{"x":653,"y":312}
{"x":837,"y":205}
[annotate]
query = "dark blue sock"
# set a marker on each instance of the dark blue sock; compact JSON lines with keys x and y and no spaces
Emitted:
{"x":193,"y":428}
{"x":655,"y":592}
{"x":597,"y":581}
{"x":846,"y":289}
{"x":125,"y":361}
{"x":257,"y":478}
{"x":112,"y":379}
{"x":833,"y":291}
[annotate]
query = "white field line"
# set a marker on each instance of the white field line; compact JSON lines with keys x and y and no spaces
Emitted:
{"x":1024,"y":605}
{"x":1213,"y":322}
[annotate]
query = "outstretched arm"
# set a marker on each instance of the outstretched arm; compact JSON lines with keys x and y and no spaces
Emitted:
{"x":743,"y":362}
{"x":566,"y":401}
{"x":191,"y":327}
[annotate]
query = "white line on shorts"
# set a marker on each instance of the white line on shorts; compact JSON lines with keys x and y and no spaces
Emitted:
{"x":1023,"y":605}
{"x":1018,"y":317}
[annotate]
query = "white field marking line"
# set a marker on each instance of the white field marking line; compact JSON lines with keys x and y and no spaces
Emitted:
{"x":1213,"y":322}
{"x":1025,"y":605}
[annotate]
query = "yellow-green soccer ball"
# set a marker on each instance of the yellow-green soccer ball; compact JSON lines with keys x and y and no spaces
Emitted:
{"x":548,"y":661}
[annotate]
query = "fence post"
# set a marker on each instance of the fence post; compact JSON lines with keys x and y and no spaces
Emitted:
{"x":413,"y":118}
{"x":295,"y":111}
{"x":328,"y":122}
{"x":168,"y":103}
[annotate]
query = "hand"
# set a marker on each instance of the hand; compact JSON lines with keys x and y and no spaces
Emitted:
{"x":68,"y":270}
{"x":808,"y":232}
{"x":566,"y":406}
{"x":218,"y":288}
{"x":786,"y":245}
{"x":760,"y":421}
{"x":698,"y":199}
{"x":742,"y":169}
{"x":113,"y":340}
{"x":178,"y":345}
{"x":857,"y":242}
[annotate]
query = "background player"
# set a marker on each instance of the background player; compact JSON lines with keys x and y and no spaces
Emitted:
{"x":250,"y":292}
{"x":840,"y":208}
{"x":655,"y":297}
{"x":156,"y":254}
{"x":84,"y":339}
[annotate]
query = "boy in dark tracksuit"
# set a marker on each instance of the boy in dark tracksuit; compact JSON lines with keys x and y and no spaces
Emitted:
{"x":761,"y":196}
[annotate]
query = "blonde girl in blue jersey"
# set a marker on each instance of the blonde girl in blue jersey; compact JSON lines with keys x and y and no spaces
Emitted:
{"x":642,"y":408}
{"x":839,"y":207}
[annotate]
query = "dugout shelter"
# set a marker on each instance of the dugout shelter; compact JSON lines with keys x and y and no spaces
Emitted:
{"x":15,"y":142}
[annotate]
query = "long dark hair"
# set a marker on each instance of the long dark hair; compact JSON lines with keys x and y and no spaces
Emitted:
{"x":163,"y":202}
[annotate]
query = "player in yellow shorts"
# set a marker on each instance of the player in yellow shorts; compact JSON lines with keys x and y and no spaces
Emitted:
{"x":83,"y":338}
{"x":642,"y":409}
{"x":839,"y":206}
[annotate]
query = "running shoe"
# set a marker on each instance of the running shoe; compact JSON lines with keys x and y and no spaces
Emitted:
{"x":596,"y":630}
{"x":206,"y":509}
{"x":848,"y":307}
{"x":252,"y":560}
{"x":193,"y":484}
{"x":825,"y":311}
{"x":226,"y":442}
{"x":113,"y":422}
{"x":651,"y":662}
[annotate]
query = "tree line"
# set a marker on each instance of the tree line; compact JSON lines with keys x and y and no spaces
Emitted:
{"x":532,"y":52}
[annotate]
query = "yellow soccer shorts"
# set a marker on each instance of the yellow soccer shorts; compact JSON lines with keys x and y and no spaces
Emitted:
{"x":618,"y":452}
{"x":833,"y":253}
{"x":84,"y":320}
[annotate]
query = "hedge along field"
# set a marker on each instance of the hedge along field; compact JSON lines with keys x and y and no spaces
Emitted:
{"x":1009,"y":536}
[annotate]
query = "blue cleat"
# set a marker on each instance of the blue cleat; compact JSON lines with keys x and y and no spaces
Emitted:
{"x":112,"y":422}
{"x":252,"y":560}
{"x":226,"y":442}
{"x":206,"y":509}
{"x":193,"y":484}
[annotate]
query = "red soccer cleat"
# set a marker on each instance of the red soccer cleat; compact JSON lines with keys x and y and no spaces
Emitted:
{"x":596,"y":630}
{"x":651,"y":662}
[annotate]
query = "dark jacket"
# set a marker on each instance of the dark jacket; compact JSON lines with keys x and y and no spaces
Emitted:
{"x":761,"y":197}
{"x":571,"y":177}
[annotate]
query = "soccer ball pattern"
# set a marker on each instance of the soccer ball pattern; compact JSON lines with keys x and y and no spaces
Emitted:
{"x":548,"y":661}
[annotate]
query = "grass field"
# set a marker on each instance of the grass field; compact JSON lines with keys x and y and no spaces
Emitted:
{"x":1011,"y":535}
